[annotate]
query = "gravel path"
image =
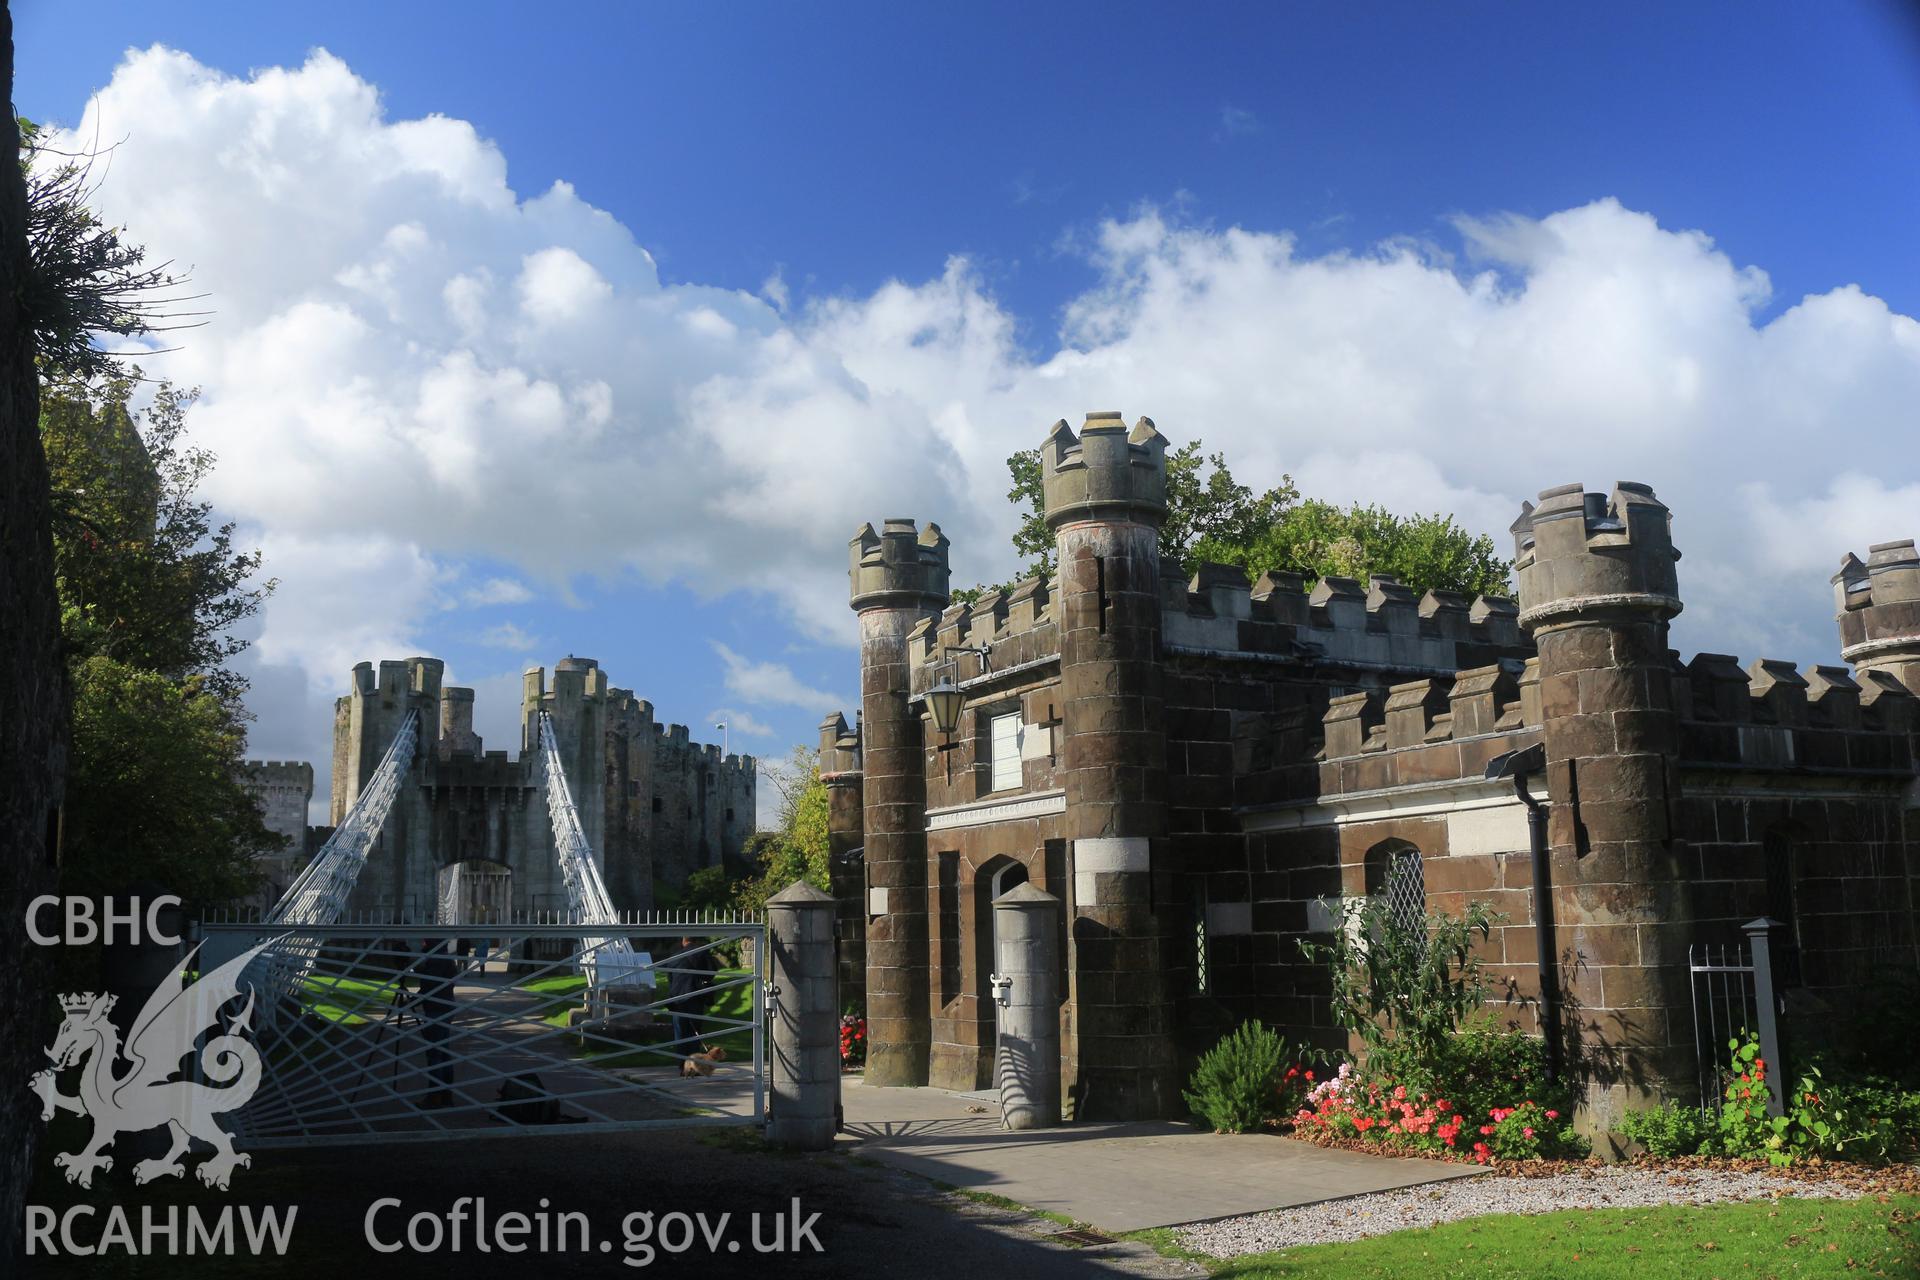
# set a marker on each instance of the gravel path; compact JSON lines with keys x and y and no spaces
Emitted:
{"x":1373,"y":1215}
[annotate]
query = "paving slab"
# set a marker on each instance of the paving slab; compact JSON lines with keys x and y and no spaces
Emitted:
{"x":1118,"y":1177}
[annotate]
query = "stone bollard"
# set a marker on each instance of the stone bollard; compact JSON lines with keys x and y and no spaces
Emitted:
{"x":805,"y":1029}
{"x":1027,"y":998}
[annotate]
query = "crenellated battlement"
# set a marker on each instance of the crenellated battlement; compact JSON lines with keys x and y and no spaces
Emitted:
{"x":1017,"y":624}
{"x":901,"y":566}
{"x":1380,"y":624}
{"x":1105,"y":473}
{"x":676,"y":741}
{"x":1499,"y":698}
{"x":1770,"y":714}
{"x":839,"y":746}
{"x":1579,"y":554}
{"x":1218,"y":613}
{"x":1877,"y":608}
{"x":279,"y":773}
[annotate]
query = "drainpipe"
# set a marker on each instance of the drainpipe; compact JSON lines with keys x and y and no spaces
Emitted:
{"x":1519,"y":765}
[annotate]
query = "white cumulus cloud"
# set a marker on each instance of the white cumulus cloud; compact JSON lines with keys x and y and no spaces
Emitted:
{"x":773,"y":684}
{"x":413,"y":365}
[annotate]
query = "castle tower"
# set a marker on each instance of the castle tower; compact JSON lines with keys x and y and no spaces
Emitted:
{"x":1877,"y":606}
{"x":1106,"y":498}
{"x":898,"y":576}
{"x":577,"y":704}
{"x":366,"y":719}
{"x":840,"y":771}
{"x":1597,"y":588}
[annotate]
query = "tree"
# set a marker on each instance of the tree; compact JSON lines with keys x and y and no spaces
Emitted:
{"x":149,"y":588}
{"x":32,"y":686}
{"x":1318,"y":540}
{"x":145,"y":576}
{"x":153,"y":794}
{"x":1204,"y":502}
{"x":797,"y":849}
{"x":1213,"y":517}
{"x":82,"y":278}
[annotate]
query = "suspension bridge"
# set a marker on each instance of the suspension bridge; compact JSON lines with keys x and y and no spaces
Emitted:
{"x":374,"y":1024}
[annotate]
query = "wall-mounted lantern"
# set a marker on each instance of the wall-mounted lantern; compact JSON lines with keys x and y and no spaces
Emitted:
{"x":944,"y":701}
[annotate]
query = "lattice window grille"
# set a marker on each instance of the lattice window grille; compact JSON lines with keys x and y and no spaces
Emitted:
{"x":1406,"y":894}
{"x":1202,"y":980}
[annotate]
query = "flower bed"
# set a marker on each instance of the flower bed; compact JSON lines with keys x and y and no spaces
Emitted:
{"x":853,"y":1042}
{"x":1370,"y":1112}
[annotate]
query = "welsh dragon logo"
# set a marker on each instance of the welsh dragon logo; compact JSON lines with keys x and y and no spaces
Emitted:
{"x":145,"y":1094}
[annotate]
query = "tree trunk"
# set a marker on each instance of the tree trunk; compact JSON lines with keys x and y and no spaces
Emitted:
{"x":33,"y":703}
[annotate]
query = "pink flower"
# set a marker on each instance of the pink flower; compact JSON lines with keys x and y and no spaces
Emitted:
{"x":1553,"y":1115}
{"x":1528,"y":1133}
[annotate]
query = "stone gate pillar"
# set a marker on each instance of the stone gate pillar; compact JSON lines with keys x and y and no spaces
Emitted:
{"x":898,"y":576}
{"x":805,"y":1032}
{"x":1027,"y":1047}
{"x":1597,"y":588}
{"x":1106,"y":499}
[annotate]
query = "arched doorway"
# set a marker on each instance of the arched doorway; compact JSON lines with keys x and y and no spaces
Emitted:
{"x":994,"y":878}
{"x":474,"y":891}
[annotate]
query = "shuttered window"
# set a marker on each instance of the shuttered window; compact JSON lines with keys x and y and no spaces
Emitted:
{"x":1003,"y":746}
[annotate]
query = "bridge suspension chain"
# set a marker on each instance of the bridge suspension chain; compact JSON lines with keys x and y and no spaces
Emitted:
{"x":608,"y":960}
{"x":319,"y":894}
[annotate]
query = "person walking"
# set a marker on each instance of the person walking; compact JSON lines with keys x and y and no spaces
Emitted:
{"x":688,"y":993}
{"x":437,"y":973}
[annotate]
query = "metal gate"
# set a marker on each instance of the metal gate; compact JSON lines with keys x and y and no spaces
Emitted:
{"x":377,"y":1029}
{"x":1733,"y":994}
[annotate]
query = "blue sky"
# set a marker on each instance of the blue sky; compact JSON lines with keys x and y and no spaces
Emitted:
{"x":904,"y":238}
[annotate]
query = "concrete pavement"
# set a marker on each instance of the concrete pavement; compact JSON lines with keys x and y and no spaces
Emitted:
{"x":1118,"y":1177}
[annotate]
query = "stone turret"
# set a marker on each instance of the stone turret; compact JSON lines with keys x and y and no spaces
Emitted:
{"x":840,"y":771}
{"x":897,"y":577}
{"x":1106,"y":499}
{"x":457,"y":737}
{"x":1597,"y":589}
{"x":1877,"y":606}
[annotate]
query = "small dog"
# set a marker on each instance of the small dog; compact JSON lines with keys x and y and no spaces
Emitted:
{"x":701,"y":1064}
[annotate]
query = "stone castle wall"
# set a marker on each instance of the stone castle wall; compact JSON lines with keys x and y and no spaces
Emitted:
{"x":284,"y":790}
{"x":654,"y":805}
{"x":1266,"y":754}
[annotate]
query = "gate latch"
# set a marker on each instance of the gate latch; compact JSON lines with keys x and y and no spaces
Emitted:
{"x":1002,"y":989}
{"x":770,"y":994}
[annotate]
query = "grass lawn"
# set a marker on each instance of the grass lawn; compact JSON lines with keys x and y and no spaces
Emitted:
{"x":732,"y":1002}
{"x":1788,"y":1238}
{"x":346,"y":1000}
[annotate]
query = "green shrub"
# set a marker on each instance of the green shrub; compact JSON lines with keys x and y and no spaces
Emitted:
{"x":1237,"y":1085}
{"x":1814,"y":1124}
{"x":1671,"y":1130}
{"x":1486,"y":1068}
{"x":1404,"y":992}
{"x":1873,"y":1099}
